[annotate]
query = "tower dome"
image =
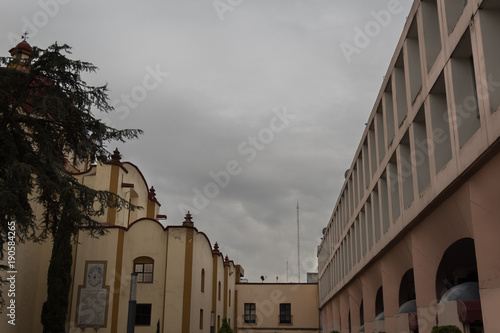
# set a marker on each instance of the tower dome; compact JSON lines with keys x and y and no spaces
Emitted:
{"x":22,"y":54}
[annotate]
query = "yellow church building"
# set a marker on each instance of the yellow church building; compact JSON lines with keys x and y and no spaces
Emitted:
{"x":183,"y":282}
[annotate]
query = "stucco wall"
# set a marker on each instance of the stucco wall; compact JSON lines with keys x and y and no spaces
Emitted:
{"x":202,"y":259}
{"x":267,"y":297}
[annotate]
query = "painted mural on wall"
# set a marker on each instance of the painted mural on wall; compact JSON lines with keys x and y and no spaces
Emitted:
{"x":93,"y":296}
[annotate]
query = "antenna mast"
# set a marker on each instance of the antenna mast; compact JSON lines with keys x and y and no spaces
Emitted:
{"x":287,"y":271}
{"x":298,"y":242}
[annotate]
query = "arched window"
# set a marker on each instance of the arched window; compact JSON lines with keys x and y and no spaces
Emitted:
{"x":349,"y":320}
{"x":203,"y":280}
{"x":407,"y":287}
{"x":219,"y":290}
{"x":143,"y":266}
{"x":379,"y":304}
{"x":458,"y":265}
{"x":361,"y":314}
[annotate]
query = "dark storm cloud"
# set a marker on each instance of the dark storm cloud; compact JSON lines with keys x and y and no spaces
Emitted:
{"x":228,"y":73}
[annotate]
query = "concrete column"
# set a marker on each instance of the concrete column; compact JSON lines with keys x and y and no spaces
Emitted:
{"x":355,"y":297}
{"x":344,"y":311}
{"x":394,"y":265}
{"x":371,"y":280}
{"x":430,"y":239}
{"x":485,"y":213}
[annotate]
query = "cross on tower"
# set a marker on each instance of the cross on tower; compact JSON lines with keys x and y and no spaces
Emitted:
{"x":25,"y":36}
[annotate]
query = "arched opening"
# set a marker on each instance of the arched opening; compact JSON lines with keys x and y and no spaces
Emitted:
{"x":379,"y":323}
{"x":457,"y":266}
{"x":361,"y":314}
{"x":349,"y":320}
{"x":379,"y":304}
{"x":457,"y":287}
{"x":407,"y":287}
{"x":361,"y":318}
{"x":407,"y":300}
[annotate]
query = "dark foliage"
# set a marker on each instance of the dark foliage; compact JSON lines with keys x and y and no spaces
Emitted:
{"x":47,"y":122}
{"x":446,"y":329}
{"x":225,"y":328}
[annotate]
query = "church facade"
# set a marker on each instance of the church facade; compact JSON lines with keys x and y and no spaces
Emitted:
{"x":184,"y":284}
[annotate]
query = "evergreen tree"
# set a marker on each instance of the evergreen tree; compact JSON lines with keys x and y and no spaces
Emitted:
{"x":47,"y":123}
{"x":225,"y":328}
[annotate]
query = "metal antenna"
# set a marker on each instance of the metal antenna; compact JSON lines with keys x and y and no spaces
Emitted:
{"x":298,"y":242}
{"x":287,"y":271}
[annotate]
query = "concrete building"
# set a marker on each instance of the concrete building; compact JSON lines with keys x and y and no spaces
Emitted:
{"x":413,"y":239}
{"x":277,"y":307}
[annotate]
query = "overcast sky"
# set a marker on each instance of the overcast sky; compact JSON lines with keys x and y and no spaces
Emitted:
{"x":247,"y":105}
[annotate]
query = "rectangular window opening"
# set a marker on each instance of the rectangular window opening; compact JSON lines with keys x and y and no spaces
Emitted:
{"x":143,"y":315}
{"x":440,"y":124}
{"x":489,"y":13}
{"x":249,"y":313}
{"x":465,"y":91}
{"x":432,"y":35}
{"x":421,"y":151}
{"x":392,"y":172}
{"x":414,"y":66}
{"x":285,"y":313}
{"x":144,"y":272}
{"x":400,"y":94}
{"x":406,"y":170}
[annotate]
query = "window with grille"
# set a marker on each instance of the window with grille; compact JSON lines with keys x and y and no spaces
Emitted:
{"x":285,"y":313}
{"x":143,"y":266}
{"x":249,"y":313}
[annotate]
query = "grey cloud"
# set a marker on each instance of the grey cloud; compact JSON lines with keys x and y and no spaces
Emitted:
{"x":225,"y":79}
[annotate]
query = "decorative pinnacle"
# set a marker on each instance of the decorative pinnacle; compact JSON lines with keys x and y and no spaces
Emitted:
{"x":116,"y":157}
{"x":152,"y":193}
{"x":188,"y":219}
{"x":216,"y":246}
{"x":226,"y":259}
